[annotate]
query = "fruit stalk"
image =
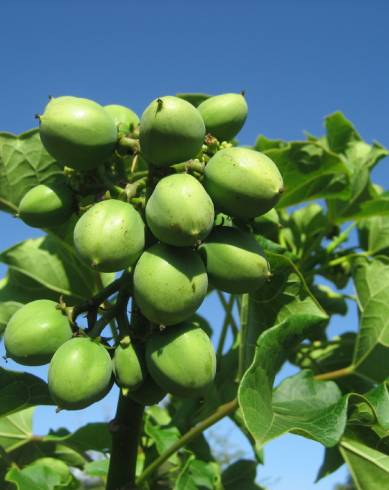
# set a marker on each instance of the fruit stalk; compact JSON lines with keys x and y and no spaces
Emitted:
{"x":125,"y":429}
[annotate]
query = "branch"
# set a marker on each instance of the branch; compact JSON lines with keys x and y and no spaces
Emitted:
{"x":220,"y":413}
{"x":338,"y":373}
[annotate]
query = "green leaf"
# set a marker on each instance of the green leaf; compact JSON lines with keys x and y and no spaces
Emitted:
{"x":331,"y":462}
{"x":374,"y":235}
{"x":21,"y":390}
{"x":7,"y":309}
{"x":24,"y":163}
{"x":16,"y":429}
{"x":35,"y":477}
{"x":198,"y":475}
{"x":340,"y":132}
{"x":299,"y":404}
{"x":163,"y":437}
{"x":240,"y":475}
{"x":309,"y":172}
{"x":368,"y":466}
{"x":94,"y":436}
{"x":54,"y":265}
{"x":99,"y":468}
{"x":331,"y":301}
{"x":371,"y":280}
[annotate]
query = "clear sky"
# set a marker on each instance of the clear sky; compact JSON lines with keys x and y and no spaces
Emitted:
{"x":297,"y":61}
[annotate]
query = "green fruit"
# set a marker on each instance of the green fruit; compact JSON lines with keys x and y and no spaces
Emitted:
{"x":125,"y":119}
{"x":35,"y":332}
{"x":242,"y":182}
{"x":110,"y":236}
{"x":171,"y":131}
{"x":128,"y":366}
{"x":46,"y":206}
{"x":267,"y":225}
{"x":77,"y":132}
{"x":80,"y":373}
{"x":148,"y":394}
{"x":182,"y":360}
{"x":224,"y":115}
{"x":169,"y":283}
{"x":57,"y":466}
{"x":234,"y":261}
{"x":179,"y":211}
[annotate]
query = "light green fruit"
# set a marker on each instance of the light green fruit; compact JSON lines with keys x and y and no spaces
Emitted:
{"x":35,"y":332}
{"x":125,"y":119}
{"x":169,"y":283}
{"x":179,"y":211}
{"x":110,"y":236}
{"x":267,"y":225}
{"x":45,"y":206}
{"x":224,"y":115}
{"x":182,"y":360}
{"x":171,"y":131}
{"x":57,"y":466}
{"x":234,"y":261}
{"x":128,"y":366}
{"x":77,"y":132}
{"x":242,"y":182}
{"x":149,"y":393}
{"x":80,"y":373}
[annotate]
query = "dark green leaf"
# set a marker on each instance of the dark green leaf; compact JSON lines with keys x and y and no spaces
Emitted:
{"x":340,"y":132}
{"x":21,"y":390}
{"x":240,"y":475}
{"x":95,"y":436}
{"x":374,"y":234}
{"x":331,"y":301}
{"x":195,"y":99}
{"x":24,"y":163}
{"x":331,"y":462}
{"x":198,"y":475}
{"x":163,"y":437}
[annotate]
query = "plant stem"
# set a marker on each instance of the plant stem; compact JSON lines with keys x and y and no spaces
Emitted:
{"x":244,"y":313}
{"x":338,"y":373}
{"x":125,"y":430}
{"x":226,"y":324}
{"x":220,"y":413}
{"x":228,"y":309}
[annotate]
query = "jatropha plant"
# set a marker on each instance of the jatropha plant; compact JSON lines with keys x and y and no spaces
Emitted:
{"x":144,"y":218}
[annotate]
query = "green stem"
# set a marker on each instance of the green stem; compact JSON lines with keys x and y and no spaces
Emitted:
{"x":114,"y":189}
{"x":11,"y":208}
{"x":244,"y":317}
{"x":338,"y":373}
{"x":340,"y":239}
{"x":125,"y":430}
{"x":122,"y":303}
{"x":220,"y":413}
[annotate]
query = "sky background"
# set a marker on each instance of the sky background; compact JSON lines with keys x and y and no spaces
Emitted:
{"x":297,"y":62}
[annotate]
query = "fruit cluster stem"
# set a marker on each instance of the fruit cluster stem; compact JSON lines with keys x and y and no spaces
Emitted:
{"x":125,"y":430}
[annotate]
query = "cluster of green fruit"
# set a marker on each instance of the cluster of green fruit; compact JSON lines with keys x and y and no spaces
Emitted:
{"x":176,"y":247}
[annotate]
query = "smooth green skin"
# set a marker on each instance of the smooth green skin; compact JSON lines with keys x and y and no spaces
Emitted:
{"x":182,"y":360}
{"x":169,"y":283}
{"x":110,"y":236}
{"x":46,"y":206}
{"x":128,"y":367}
{"x":56,"y":465}
{"x":77,"y":132}
{"x":171,"y":131}
{"x":125,"y":119}
{"x":268,"y":224}
{"x":242,"y":182}
{"x":224,"y":115}
{"x":234,"y":261}
{"x":80,"y":373}
{"x":148,"y":394}
{"x":179,"y":211}
{"x":35,"y":332}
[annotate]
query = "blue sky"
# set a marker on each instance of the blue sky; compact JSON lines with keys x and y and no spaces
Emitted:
{"x":297,"y":62}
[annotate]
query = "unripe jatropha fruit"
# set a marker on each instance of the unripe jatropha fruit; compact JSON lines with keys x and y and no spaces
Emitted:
{"x":179,"y":211}
{"x":171,"y":131}
{"x":128,"y":366}
{"x":77,"y":132}
{"x":80,"y":373}
{"x":242,"y":182}
{"x":125,"y":119}
{"x":149,"y":393}
{"x":35,"y":332}
{"x":181,"y":360}
{"x":234,"y":260}
{"x":45,"y":206}
{"x":110,"y":236}
{"x":224,"y":115}
{"x":169,"y":283}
